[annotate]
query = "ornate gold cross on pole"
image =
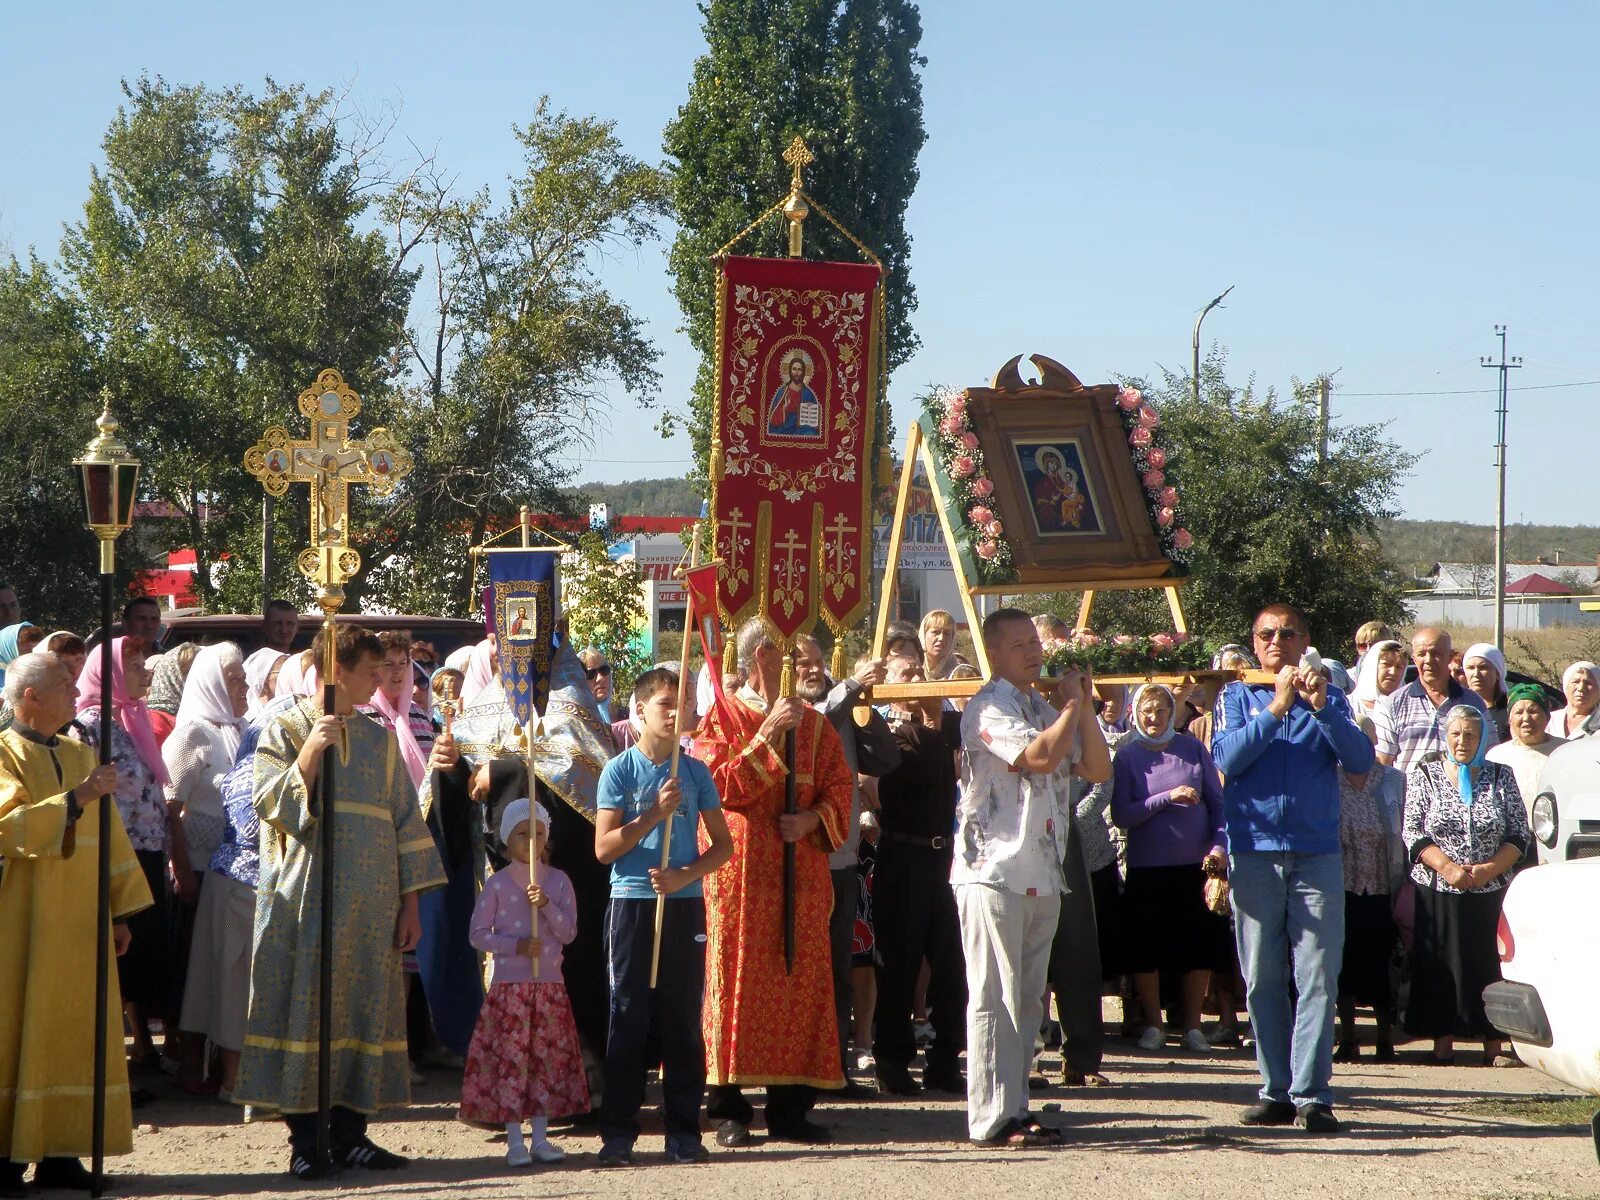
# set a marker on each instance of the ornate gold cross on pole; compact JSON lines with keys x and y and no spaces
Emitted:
{"x":795,"y":208}
{"x":330,"y":462}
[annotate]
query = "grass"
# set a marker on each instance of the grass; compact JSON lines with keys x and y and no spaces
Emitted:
{"x":1564,"y":1110}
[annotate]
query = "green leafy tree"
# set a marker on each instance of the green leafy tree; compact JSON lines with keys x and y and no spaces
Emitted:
{"x":226,"y":254}
{"x":48,"y":395}
{"x":511,"y":359}
{"x":843,"y":74}
{"x":1270,"y":523}
{"x":602,"y":601}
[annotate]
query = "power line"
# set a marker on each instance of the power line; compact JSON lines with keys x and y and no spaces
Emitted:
{"x":1494,"y":391}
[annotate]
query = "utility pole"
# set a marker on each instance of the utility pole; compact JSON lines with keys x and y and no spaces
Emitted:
{"x":1503,"y":366}
{"x":1322,"y":424}
{"x":1194,"y":379}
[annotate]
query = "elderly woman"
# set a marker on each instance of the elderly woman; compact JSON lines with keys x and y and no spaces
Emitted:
{"x":1371,"y":810}
{"x":1485,"y":668}
{"x":1529,"y":746}
{"x":1465,"y":828}
{"x":1167,"y":796}
{"x":1382,"y":671}
{"x":15,"y":641}
{"x":145,"y":971}
{"x":938,"y":633}
{"x":1581,"y":717}
{"x":197,"y":754}
{"x":168,"y":673}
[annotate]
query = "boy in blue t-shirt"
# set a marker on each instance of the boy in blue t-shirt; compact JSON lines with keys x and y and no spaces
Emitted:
{"x":637,"y":795}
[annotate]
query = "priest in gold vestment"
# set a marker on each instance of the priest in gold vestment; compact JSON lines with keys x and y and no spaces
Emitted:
{"x":50,"y":790}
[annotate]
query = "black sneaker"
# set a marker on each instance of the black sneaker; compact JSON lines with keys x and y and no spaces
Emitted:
{"x":733,"y":1134}
{"x":806,"y":1132}
{"x":65,"y":1174}
{"x":897,"y":1081}
{"x":687,"y":1151}
{"x":363,"y":1153}
{"x":618,"y":1152}
{"x":309,"y":1167}
{"x":1269,"y":1112}
{"x":1316,"y":1118}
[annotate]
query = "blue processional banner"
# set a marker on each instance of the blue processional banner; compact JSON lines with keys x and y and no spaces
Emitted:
{"x":523,"y":612}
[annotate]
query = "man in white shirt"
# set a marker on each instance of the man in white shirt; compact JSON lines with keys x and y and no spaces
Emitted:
{"x":1012,"y":825}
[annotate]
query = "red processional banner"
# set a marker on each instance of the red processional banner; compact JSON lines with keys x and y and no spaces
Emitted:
{"x":792,"y":438}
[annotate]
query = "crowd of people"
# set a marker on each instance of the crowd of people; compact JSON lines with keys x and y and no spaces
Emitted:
{"x":791,"y":893}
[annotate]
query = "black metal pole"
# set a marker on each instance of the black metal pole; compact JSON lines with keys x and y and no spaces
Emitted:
{"x":102,"y":925}
{"x":325,"y":962}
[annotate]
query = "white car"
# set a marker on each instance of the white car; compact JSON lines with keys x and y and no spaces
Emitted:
{"x":1566,"y":811}
{"x":1549,"y":993}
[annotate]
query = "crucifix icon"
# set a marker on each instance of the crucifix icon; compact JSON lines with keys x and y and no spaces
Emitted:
{"x":789,"y":590}
{"x":330,"y":462}
{"x":735,"y":544}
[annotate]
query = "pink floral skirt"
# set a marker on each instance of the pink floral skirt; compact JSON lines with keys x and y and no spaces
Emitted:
{"x":524,"y":1059}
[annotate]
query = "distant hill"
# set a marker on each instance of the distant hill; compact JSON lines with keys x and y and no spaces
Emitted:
{"x":1409,"y":543}
{"x":642,"y":497}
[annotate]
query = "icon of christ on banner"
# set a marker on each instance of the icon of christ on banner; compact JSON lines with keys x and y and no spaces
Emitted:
{"x":795,"y":411}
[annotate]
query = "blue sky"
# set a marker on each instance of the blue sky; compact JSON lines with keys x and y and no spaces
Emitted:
{"x":1382,"y":184}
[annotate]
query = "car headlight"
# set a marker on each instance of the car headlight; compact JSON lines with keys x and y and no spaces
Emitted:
{"x":1545,"y":819}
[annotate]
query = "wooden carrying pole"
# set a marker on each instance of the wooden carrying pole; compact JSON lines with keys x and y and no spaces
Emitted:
{"x":533,"y":824}
{"x":677,"y":748}
{"x":325,"y":780}
{"x":791,"y":805}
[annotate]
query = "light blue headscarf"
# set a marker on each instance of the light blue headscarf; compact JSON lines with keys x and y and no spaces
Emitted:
{"x":1159,"y":740}
{"x":8,"y":646}
{"x":1466,"y":770}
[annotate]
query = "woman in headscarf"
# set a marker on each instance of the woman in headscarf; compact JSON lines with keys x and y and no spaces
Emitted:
{"x":15,"y":641}
{"x":1203,"y":698}
{"x":145,"y":971}
{"x":1381,"y":672}
{"x":1371,"y":809}
{"x":1167,"y":796}
{"x":1528,"y":747}
{"x":481,"y":672}
{"x":1485,"y":668}
{"x":168,"y":672}
{"x":298,"y":677}
{"x":260,"y":679}
{"x":1465,"y":829}
{"x":198,"y":754}
{"x":1581,"y":717}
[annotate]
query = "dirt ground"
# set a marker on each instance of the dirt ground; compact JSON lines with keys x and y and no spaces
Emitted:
{"x":1165,"y":1128}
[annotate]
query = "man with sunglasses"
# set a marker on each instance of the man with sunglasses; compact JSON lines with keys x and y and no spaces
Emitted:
{"x":1279,"y":747}
{"x":598,"y":669}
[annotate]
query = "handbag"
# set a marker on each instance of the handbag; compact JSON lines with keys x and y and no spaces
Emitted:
{"x":1216,"y":889}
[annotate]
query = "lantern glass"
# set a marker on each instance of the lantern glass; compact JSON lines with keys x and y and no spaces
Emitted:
{"x":98,"y":493}
{"x":127,"y":490}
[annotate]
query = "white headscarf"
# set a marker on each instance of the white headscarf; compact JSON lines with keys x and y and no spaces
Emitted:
{"x":257,"y":670}
{"x":296,"y":679}
{"x":480,"y":672}
{"x":205,"y":695}
{"x":518,"y":811}
{"x":1491,"y":655}
{"x":1366,"y":688}
{"x":1159,"y":740}
{"x":1581,"y":665}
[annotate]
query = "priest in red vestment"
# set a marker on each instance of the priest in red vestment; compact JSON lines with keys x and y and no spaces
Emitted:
{"x":765,"y":1027}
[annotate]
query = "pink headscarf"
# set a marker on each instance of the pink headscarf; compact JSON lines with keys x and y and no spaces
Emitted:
{"x":480,"y":672}
{"x":133,"y":716}
{"x":400,"y":720}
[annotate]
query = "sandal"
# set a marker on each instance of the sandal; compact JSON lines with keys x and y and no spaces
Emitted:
{"x":1012,"y":1135}
{"x":1071,"y":1078}
{"x":1039,"y":1129}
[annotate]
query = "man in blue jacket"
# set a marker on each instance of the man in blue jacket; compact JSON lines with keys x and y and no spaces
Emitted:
{"x":1280,"y":749}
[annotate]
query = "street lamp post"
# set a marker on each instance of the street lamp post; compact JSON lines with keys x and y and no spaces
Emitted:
{"x":110,"y":477}
{"x":1194,"y":381}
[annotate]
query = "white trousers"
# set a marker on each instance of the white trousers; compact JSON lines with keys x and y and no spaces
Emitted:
{"x":1006,"y":938}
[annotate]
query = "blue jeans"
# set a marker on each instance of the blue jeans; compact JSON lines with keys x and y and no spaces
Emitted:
{"x":1289,"y":909}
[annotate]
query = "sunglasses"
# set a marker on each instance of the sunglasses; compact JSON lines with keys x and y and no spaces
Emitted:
{"x":1277,"y":633}
{"x":596,"y":672}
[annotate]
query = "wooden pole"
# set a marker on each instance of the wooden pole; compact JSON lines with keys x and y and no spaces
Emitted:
{"x":677,"y":747}
{"x":963,"y":584}
{"x":791,"y":805}
{"x":891,"y":566}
